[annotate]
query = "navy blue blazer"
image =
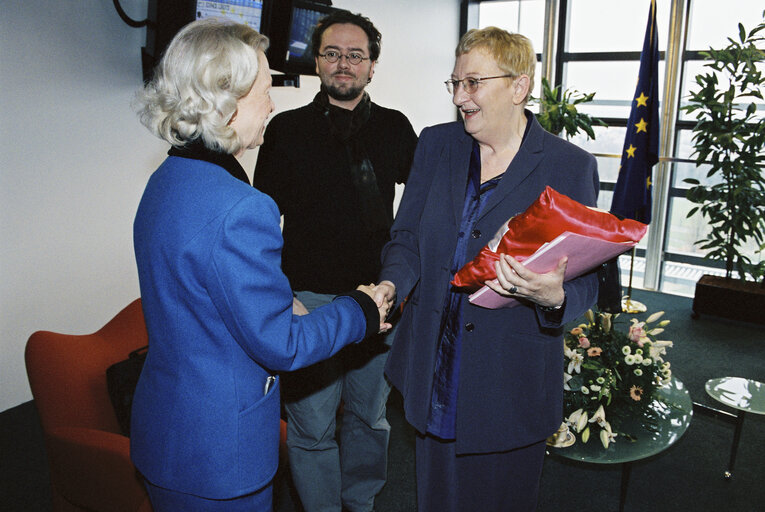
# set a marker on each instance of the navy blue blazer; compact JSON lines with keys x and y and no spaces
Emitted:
{"x":219,"y":316}
{"x":511,"y":373}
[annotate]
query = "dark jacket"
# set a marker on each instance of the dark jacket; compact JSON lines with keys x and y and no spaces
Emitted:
{"x":306,"y":170}
{"x":511,"y":374}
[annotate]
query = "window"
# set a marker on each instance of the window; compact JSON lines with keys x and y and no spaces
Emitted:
{"x":526,"y":17}
{"x":598,"y":50}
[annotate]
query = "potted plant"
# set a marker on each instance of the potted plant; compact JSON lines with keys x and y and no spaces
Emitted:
{"x":613,"y":373}
{"x":729,"y":137}
{"x":558,"y":112}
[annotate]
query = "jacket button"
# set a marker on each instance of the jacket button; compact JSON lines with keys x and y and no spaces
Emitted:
{"x":469,"y":327}
{"x":476,"y":233}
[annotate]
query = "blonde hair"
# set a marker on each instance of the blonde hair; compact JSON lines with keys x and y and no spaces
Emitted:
{"x":513,"y":53}
{"x":207,"y":67}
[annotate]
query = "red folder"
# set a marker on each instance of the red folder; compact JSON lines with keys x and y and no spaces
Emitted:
{"x":584,"y":253}
{"x":549,"y":216}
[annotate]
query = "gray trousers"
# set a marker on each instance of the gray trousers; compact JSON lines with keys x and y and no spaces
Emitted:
{"x":344,"y":471}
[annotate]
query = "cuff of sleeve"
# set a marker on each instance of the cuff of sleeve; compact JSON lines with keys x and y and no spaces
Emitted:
{"x":554,"y":315}
{"x":368,"y":306}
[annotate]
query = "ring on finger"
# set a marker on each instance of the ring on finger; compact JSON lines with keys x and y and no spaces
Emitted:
{"x":513,"y":289}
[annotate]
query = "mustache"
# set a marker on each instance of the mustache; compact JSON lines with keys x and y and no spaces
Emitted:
{"x":344,"y":73}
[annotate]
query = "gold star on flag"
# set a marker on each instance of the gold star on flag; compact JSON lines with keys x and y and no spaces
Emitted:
{"x":641,"y":126}
{"x":631,"y":151}
{"x":642,"y":100}
{"x":648,"y":182}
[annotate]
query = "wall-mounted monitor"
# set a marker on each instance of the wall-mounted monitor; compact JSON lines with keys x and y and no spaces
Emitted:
{"x":167,"y":17}
{"x":287,"y":23}
{"x":290,"y":25}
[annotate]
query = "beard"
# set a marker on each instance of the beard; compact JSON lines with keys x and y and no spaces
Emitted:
{"x":349,"y":91}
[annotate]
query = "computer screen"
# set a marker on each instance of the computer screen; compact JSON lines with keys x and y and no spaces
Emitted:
{"x":247,"y":12}
{"x":290,"y":28}
{"x":299,"y":45}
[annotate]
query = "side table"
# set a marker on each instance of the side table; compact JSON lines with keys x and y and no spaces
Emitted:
{"x":744,"y":395}
{"x":673,"y":421}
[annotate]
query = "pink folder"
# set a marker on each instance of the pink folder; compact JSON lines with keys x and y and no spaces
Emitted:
{"x":584,"y":253}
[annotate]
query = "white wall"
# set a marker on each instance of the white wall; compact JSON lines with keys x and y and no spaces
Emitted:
{"x":74,"y":159}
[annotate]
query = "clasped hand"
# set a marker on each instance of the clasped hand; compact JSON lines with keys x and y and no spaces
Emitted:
{"x":383,"y":306}
{"x":515,"y":280}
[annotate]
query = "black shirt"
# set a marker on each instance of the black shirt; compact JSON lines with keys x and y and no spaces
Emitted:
{"x":306,"y":170}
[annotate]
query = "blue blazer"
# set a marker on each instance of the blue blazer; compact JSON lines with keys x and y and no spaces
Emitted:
{"x":219,"y":316}
{"x":511,"y":373}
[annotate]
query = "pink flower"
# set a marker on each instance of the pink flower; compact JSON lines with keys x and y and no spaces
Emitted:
{"x":637,"y":333}
{"x":576,"y":331}
{"x":584,"y":342}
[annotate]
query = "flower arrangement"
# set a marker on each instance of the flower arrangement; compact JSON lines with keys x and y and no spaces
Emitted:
{"x":610,"y":373}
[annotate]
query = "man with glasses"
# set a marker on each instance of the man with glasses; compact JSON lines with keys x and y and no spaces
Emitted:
{"x":331,"y":166}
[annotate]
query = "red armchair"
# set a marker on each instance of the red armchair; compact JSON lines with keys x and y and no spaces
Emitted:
{"x":89,"y":458}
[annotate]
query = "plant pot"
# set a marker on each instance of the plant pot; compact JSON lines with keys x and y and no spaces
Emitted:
{"x":729,"y":298}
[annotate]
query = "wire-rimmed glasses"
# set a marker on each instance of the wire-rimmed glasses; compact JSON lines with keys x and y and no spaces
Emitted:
{"x":333,"y":56}
{"x":469,"y":84}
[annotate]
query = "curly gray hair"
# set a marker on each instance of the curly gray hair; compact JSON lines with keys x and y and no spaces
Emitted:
{"x":207,"y":67}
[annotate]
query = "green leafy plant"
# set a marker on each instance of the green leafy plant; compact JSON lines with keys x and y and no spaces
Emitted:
{"x":559,"y":111}
{"x":729,"y":136}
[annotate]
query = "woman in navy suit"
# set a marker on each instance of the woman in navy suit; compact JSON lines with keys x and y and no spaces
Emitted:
{"x":483,"y":388}
{"x":218,"y":309}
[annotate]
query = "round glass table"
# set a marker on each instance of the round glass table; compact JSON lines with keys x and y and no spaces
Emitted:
{"x":673,"y":412}
{"x":744,"y":395}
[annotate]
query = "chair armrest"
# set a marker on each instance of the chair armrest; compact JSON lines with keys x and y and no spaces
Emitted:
{"x":92,"y":469}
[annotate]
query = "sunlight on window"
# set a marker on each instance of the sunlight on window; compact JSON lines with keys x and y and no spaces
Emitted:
{"x":608,"y":26}
{"x":524,"y":17}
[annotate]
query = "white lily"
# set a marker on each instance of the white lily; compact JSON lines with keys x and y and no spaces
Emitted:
{"x":606,"y":321}
{"x":651,"y":319}
{"x":658,"y":348}
{"x":599,"y":417}
{"x":590,"y":316}
{"x":575,"y":362}
{"x":566,"y":378}
{"x":607,"y":436}
{"x":577,"y":419}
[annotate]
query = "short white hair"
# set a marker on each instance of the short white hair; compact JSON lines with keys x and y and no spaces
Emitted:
{"x":207,"y":67}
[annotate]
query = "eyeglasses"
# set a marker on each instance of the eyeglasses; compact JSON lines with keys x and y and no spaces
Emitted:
{"x":332,"y":56}
{"x":470,"y":84}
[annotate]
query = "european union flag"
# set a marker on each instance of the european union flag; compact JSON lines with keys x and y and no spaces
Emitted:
{"x":632,"y":194}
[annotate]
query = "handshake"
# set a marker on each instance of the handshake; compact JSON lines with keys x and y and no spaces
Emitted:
{"x":383,"y":294}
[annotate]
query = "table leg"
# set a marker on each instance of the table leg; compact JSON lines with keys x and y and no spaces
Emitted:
{"x":626,"y":470}
{"x":734,"y":448}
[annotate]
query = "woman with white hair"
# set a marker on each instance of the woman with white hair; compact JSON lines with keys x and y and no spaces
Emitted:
{"x":218,"y":309}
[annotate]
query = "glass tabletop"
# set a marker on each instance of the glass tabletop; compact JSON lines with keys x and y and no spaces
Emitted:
{"x":739,"y":393}
{"x":674,"y":416}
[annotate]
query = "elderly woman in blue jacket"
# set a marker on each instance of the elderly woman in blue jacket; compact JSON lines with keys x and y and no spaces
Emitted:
{"x":218,"y":309}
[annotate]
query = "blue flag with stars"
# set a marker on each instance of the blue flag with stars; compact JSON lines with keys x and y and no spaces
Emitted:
{"x":632,"y":194}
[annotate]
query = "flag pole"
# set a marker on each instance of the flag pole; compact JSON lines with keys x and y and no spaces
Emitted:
{"x":632,"y":196}
{"x":629,"y":305}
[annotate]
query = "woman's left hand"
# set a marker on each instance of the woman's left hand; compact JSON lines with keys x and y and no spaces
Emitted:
{"x":515,"y":280}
